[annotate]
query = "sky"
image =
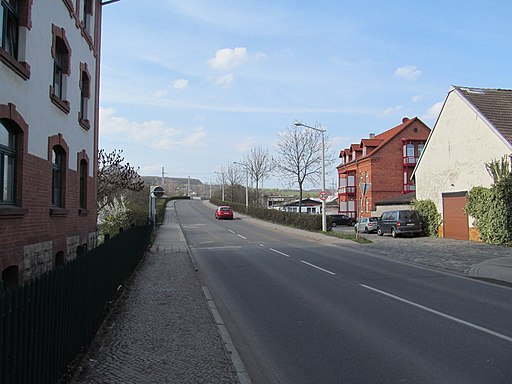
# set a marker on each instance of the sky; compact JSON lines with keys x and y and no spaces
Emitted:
{"x":193,"y":86}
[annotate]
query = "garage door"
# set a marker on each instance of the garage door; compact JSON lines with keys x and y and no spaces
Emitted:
{"x":455,"y":221}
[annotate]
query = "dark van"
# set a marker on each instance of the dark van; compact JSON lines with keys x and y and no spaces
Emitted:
{"x":400,"y":222}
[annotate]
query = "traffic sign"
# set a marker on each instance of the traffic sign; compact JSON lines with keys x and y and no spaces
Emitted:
{"x":323,"y":195}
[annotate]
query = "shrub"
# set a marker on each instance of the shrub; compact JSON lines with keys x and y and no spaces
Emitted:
{"x":429,"y":215}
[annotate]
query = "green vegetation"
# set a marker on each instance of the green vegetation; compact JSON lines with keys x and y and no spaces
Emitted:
{"x":491,"y":207}
{"x":350,"y":236}
{"x":429,"y":215}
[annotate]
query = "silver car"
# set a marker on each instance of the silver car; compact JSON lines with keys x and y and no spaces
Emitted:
{"x":367,"y":224}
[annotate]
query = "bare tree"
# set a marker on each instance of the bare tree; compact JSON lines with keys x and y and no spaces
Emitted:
{"x":234,"y":177}
{"x":259,"y":165}
{"x":299,"y":156}
{"x":114,"y":177}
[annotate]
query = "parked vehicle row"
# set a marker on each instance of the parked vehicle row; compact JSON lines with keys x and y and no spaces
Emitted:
{"x":396,"y":223}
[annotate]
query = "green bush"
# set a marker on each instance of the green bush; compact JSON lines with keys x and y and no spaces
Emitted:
{"x":491,"y":209}
{"x":429,"y":215}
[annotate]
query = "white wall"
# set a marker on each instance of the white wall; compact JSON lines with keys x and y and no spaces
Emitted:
{"x":456,"y":152}
{"x":31,"y":96}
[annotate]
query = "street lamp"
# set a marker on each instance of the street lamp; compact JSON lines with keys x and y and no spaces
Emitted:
{"x":323,"y":193}
{"x":222,"y":175}
{"x":246,"y":184}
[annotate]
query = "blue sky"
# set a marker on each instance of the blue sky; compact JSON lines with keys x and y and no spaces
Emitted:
{"x":194,"y":85}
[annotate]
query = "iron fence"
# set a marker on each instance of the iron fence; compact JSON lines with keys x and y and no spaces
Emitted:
{"x":48,"y":321}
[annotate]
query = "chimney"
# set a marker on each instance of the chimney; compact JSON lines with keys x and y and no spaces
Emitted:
{"x":405,"y":120}
{"x":372,"y":135}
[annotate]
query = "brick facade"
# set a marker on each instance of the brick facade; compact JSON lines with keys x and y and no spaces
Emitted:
{"x":36,"y":233}
{"x":382,"y":162}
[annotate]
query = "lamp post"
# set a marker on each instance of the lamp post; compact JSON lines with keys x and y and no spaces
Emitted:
{"x":222,"y":176}
{"x":246,"y":184}
{"x":323,"y":193}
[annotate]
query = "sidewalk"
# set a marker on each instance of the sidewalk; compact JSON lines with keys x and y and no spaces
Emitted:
{"x":161,"y":330}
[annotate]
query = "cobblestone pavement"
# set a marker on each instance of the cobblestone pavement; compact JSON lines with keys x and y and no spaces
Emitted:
{"x":161,"y":330}
{"x":446,"y":254}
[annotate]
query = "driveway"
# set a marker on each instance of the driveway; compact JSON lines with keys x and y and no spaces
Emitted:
{"x":447,"y":254}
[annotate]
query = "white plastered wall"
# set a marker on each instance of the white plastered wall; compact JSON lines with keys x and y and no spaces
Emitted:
{"x":460,"y":144}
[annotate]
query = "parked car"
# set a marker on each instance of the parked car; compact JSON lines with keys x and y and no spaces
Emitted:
{"x":224,"y":212}
{"x":366,"y":224}
{"x":400,"y":222}
{"x":341,"y":219}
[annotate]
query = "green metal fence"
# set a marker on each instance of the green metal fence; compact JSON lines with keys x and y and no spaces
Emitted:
{"x":47,"y":322}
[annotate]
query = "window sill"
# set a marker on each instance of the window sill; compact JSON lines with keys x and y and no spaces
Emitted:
{"x":12,"y":212}
{"x":63,"y":105}
{"x":58,"y":212}
{"x":21,"y":68}
{"x":83,"y":212}
{"x":85,"y":124}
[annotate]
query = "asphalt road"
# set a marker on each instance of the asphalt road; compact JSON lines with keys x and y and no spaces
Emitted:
{"x":302,"y":312}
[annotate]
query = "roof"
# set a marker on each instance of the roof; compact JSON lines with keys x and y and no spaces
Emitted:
{"x":403,"y":198}
{"x":381,"y":139}
{"x":494,"y":104}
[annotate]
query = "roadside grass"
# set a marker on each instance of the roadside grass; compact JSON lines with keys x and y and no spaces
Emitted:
{"x":349,"y":236}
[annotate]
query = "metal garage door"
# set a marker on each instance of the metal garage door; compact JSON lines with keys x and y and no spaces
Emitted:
{"x":455,"y":220}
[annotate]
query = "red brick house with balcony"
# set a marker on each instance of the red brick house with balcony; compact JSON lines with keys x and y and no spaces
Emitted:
{"x":379,"y":167}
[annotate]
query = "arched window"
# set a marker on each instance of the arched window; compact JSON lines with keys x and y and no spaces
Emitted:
{"x":61,"y":53}
{"x":85,"y":94}
{"x":7,"y":164}
{"x":83,"y":184}
{"x":57,"y":176}
{"x":10,"y":276}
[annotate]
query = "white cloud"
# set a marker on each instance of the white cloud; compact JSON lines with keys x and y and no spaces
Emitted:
{"x":433,"y":111}
{"x":417,"y":98}
{"x":246,"y":145}
{"x":152,"y":133}
{"x":392,"y":110}
{"x":180,"y":84}
{"x":224,"y":80}
{"x":229,"y":58}
{"x":409,"y":72}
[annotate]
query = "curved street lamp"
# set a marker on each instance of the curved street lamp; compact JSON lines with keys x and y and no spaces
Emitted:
{"x":324,"y":214}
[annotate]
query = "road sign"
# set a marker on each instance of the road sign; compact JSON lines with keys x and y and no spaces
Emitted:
{"x":157,"y":191}
{"x":323,"y":195}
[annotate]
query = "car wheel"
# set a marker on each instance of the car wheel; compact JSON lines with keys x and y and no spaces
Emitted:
{"x":333,"y":224}
{"x":366,"y":230}
{"x":393,"y":233}
{"x":379,"y":232}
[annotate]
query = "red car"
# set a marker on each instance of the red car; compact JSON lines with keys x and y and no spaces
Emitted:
{"x":224,"y":212}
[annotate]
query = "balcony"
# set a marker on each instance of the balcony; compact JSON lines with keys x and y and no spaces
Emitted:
{"x":349,"y":190}
{"x":410,"y":160}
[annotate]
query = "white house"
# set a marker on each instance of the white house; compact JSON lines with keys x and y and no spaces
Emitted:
{"x":473,"y":128}
{"x":49,"y":92}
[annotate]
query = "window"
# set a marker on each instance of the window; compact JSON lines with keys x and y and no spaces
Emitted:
{"x":367,"y":177}
{"x":421,"y":146}
{"x":367,"y":203}
{"x":83,"y":184}
{"x":85,"y":86}
{"x":57,"y":176}
{"x":87,"y":13}
{"x":61,"y":53}
{"x":7,"y":165}
{"x":9,"y":17}
{"x":58,"y":69}
{"x":364,"y":151}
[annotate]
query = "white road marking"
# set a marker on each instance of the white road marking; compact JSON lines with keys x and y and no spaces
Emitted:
{"x":281,"y":253}
{"x":243,"y":237}
{"x":220,"y":247}
{"x":446,"y":316}
{"x":317,"y":267}
{"x":230,"y":230}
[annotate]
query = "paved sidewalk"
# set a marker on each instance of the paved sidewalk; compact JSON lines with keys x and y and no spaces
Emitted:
{"x":161,"y":330}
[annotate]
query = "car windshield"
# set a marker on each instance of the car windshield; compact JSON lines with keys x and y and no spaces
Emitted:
{"x":374,"y":219}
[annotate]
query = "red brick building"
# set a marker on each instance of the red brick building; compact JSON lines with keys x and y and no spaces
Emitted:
{"x":49,"y":88}
{"x":379,"y":167}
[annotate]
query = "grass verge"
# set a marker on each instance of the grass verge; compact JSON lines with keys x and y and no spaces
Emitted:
{"x":349,"y":236}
